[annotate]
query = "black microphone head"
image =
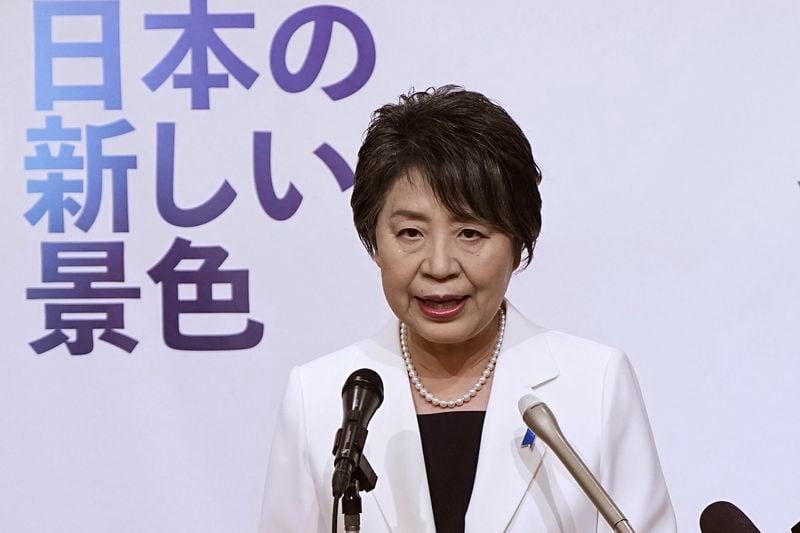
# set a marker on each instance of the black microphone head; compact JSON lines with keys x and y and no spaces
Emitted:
{"x":724,"y":517}
{"x":362,"y":394}
{"x":365,"y":377}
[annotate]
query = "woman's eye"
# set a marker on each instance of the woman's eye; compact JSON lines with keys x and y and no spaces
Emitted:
{"x":411,"y":233}
{"x":471,"y":234}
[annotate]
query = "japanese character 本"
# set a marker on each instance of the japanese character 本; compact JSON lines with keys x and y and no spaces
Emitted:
{"x":199,"y":36}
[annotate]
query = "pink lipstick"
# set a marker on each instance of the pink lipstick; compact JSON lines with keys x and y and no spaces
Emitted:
{"x":441,"y":307}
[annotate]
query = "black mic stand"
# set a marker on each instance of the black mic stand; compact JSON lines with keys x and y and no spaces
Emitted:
{"x":362,"y":478}
{"x":351,"y":507}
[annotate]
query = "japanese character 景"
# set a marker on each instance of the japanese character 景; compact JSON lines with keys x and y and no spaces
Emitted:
{"x":83,"y":264}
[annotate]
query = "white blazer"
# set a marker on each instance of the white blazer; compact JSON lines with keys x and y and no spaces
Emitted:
{"x":591,"y":389}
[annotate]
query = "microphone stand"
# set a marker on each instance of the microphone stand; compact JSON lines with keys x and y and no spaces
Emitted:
{"x":351,"y":507}
{"x":362,"y":394}
{"x":362,"y":477}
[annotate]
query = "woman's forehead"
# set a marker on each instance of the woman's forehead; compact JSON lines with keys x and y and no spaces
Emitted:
{"x":411,"y":197}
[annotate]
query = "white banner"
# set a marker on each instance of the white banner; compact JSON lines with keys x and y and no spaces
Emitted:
{"x":176,"y":216}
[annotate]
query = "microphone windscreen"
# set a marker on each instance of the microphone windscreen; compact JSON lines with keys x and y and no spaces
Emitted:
{"x":724,"y":517}
{"x":365,"y":377}
{"x":526,"y":402}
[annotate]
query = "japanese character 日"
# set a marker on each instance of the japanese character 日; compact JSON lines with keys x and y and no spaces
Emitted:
{"x":106,"y":50}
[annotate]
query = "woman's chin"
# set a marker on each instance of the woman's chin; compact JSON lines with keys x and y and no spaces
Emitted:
{"x":437,"y":332}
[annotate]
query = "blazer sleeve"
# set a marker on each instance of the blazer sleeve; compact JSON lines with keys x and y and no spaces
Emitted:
{"x":290,"y":496}
{"x":629,"y":467}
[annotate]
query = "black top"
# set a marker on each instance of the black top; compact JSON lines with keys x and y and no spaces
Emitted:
{"x":450,"y":443}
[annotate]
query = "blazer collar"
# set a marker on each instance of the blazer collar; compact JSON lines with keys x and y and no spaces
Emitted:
{"x":393,"y":446}
{"x":504,"y":468}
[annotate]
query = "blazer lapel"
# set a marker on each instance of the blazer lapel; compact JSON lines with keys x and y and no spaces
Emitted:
{"x":393,"y":446}
{"x":505,"y":469}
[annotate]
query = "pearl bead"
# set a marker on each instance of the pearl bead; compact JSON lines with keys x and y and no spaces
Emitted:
{"x":472,"y":392}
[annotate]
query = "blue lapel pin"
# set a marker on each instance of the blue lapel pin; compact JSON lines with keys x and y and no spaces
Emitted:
{"x":528,"y":439}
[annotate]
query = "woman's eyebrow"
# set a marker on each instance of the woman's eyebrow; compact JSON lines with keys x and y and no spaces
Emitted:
{"x":469,"y":219}
{"x":408,"y":214}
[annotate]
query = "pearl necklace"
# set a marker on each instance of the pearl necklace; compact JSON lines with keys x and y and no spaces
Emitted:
{"x":473,"y":391}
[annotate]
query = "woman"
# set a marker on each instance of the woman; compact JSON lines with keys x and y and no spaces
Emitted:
{"x":446,"y":201}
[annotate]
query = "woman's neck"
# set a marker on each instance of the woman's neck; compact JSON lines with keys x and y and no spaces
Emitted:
{"x":467,"y":358}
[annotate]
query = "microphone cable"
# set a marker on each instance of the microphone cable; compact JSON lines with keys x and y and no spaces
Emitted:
{"x":335,"y":519}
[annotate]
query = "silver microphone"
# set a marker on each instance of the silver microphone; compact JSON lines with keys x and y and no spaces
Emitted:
{"x":540,"y":419}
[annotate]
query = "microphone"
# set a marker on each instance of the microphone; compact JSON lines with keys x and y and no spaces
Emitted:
{"x":724,"y":517}
{"x":540,"y":420}
{"x":362,"y":394}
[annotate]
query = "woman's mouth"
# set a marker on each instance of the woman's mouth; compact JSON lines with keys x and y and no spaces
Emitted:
{"x":441,"y":307}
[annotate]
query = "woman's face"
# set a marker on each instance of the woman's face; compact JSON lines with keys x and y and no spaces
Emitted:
{"x":444,"y":277}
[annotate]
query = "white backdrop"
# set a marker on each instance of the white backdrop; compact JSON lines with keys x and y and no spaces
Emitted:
{"x":668,"y":135}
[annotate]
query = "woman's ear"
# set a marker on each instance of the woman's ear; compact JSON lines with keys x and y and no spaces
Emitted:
{"x":518,"y":258}
{"x":377,"y":258}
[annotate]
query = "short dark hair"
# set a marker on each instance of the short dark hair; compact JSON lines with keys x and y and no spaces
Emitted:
{"x":469,"y":151}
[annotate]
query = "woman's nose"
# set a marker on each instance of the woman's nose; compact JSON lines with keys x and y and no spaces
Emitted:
{"x":440,"y":261}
